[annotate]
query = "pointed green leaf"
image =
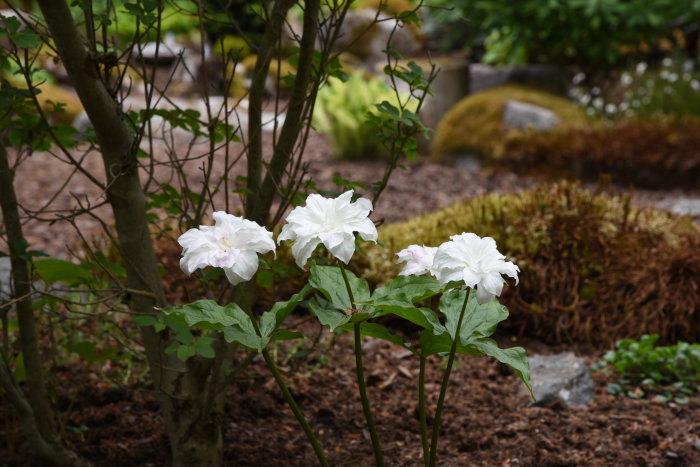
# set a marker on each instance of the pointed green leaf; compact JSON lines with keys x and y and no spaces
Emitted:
{"x":481,"y":319}
{"x":380,"y":332}
{"x":514,"y":357}
{"x":329,"y":281}
{"x":285,"y":335}
{"x":53,"y":270}
{"x":328,"y":316}
{"x":245,"y":338}
{"x":209,"y":315}
{"x":273,"y":319}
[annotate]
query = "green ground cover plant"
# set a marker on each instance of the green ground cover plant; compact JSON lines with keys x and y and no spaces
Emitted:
{"x":641,"y":369}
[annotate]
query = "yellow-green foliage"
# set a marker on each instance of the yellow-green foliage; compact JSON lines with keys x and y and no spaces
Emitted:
{"x":57,"y":95}
{"x":474,"y":123}
{"x":593,"y":268}
{"x":341,"y":113}
{"x":234,"y":47}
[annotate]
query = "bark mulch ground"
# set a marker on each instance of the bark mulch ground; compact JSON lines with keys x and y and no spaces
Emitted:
{"x":487,"y":421}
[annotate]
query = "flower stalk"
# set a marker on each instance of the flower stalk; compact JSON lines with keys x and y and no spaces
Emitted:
{"x":421,"y":411}
{"x":360,"y":372}
{"x":445,"y":382}
{"x":286,"y":393}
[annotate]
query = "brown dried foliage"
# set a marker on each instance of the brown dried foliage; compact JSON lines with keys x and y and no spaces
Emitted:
{"x":650,"y":154}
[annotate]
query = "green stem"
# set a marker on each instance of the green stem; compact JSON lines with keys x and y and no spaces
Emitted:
{"x":421,"y":411}
{"x":443,"y":385}
{"x":359,"y":370}
{"x":285,"y":390}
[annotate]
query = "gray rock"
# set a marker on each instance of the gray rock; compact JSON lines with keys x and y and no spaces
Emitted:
{"x":467,"y":162}
{"x":560,"y":378}
{"x":548,"y":77}
{"x":682,"y":205}
{"x":522,"y":116}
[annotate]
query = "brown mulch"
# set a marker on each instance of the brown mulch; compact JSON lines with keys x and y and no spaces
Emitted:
{"x":486,"y":421}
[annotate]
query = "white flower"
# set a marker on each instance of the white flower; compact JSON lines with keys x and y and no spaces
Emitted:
{"x":667,"y":62}
{"x":231,"y":244}
{"x":477,"y":262}
{"x":695,"y":84}
{"x":330,"y":221}
{"x":418,"y":259}
{"x":641,"y":68}
{"x":626,"y":79}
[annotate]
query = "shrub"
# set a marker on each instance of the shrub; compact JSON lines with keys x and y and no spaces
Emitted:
{"x":671,"y":373}
{"x":341,"y":113}
{"x":594,"y":269}
{"x":661,"y":154}
{"x":585,"y":33}
{"x":474,"y":123}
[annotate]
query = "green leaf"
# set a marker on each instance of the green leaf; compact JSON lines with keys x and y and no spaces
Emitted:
{"x":441,"y":343}
{"x":285,"y":335}
{"x":329,"y":281}
{"x":26,"y":39}
{"x":243,"y":337}
{"x":204,"y":348}
{"x":514,"y":357}
{"x":146,"y":320}
{"x":12,"y":24}
{"x":380,"y":332}
{"x":273,"y":319}
{"x":57,"y":270}
{"x":88,"y":352}
{"x":398,"y":298}
{"x":209,"y":315}
{"x":184,"y":352}
{"x":326,"y":315}
{"x":479,"y":319}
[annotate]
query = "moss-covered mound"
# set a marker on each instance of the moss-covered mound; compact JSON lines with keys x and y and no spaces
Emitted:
{"x":650,"y":154}
{"x":474,"y":123}
{"x":593,"y":268}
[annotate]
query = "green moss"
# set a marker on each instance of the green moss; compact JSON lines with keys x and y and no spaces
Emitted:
{"x":474,"y":123}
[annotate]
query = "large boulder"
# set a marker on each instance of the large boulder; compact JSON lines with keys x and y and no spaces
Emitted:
{"x":562,"y":378}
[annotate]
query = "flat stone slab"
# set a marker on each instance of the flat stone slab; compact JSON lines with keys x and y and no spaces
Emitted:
{"x":563,"y":378}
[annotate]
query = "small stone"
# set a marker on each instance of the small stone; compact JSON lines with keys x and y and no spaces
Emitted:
{"x":560,"y":379}
{"x":523,"y":116}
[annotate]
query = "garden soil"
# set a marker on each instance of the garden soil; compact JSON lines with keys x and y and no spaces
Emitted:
{"x":486,"y":421}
